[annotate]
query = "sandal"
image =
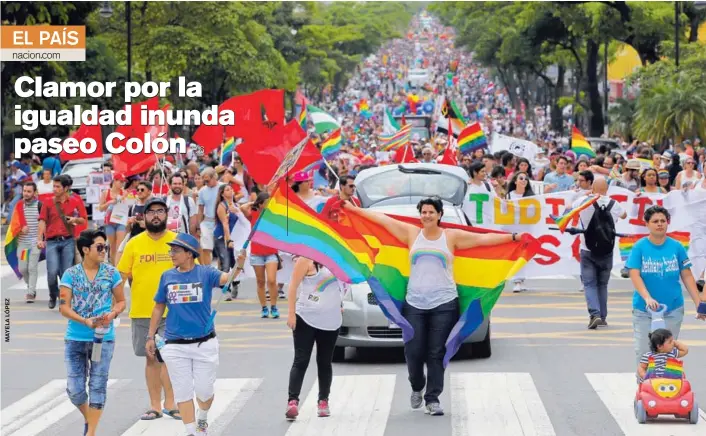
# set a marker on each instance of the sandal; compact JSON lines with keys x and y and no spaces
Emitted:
{"x":174,"y":413}
{"x":150,"y":415}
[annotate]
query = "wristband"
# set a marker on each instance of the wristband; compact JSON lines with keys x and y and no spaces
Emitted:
{"x":514,"y":237}
{"x":701,"y":310}
{"x":149,"y":338}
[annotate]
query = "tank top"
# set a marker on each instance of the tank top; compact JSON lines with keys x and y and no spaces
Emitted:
{"x":693,"y":179}
{"x":431,"y":279}
{"x":108,"y":211}
{"x":219,"y":233}
{"x":319,"y":301}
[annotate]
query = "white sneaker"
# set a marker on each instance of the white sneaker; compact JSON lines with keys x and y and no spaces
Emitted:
{"x":517,"y":288}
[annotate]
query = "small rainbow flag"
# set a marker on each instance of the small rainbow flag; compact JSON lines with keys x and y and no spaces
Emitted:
{"x":332,"y":144}
{"x":302,"y":117}
{"x":395,"y":140}
{"x":627,"y":242}
{"x":471,"y":138}
{"x":227,"y":151}
{"x":24,"y":254}
{"x":571,"y":214}
{"x":11,"y":243}
{"x":579,"y":144}
{"x":674,"y":368}
{"x":289,"y":225}
{"x":477,"y":293}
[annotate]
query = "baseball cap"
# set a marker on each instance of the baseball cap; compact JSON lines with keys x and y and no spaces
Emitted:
{"x":155,"y":200}
{"x":303,"y":176}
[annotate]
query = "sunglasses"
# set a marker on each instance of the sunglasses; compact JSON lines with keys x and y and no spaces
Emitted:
{"x":101,"y":247}
{"x":350,"y":186}
{"x":141,"y":190}
{"x":521,"y":179}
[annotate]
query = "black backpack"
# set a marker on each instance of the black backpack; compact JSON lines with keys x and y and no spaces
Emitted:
{"x":600,"y":233}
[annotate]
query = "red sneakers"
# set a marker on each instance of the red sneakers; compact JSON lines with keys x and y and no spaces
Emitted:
{"x":323,"y":409}
{"x":292,"y":410}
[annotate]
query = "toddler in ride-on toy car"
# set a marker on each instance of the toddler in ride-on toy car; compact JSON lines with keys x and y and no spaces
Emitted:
{"x":660,"y":360}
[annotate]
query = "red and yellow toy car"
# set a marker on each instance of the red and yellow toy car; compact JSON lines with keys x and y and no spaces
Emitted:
{"x":665,"y":396}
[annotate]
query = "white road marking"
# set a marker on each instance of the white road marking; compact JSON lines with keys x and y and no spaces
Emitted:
{"x":360,"y":405}
{"x":505,"y":404}
{"x":226,"y":392}
{"x":39,"y":410}
{"x":617,"y":391}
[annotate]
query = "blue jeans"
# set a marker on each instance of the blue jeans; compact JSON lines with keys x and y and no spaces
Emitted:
{"x":60,"y":257}
{"x":595,"y":274}
{"x":79,"y":367}
{"x":642,"y":324}
{"x":431,"y":329}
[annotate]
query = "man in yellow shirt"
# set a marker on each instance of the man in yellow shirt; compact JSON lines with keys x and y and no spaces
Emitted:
{"x":145,"y":258}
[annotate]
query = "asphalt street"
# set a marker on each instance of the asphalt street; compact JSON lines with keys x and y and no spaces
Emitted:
{"x":548,"y":375}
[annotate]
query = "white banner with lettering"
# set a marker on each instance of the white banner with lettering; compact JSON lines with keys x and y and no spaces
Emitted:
{"x":559,"y":254}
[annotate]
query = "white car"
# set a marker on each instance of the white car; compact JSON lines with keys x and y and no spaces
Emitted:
{"x":396,"y":189}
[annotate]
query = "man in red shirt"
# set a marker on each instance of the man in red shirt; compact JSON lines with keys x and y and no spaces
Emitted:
{"x":56,"y":232}
{"x":332,"y":208}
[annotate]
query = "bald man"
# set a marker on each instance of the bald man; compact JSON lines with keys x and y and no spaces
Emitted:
{"x":597,"y":262}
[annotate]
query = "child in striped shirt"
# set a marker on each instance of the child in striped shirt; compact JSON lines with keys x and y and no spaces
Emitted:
{"x":663,"y":349}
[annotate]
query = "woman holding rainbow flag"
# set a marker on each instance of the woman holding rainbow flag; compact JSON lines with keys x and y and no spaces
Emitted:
{"x":431,"y":305}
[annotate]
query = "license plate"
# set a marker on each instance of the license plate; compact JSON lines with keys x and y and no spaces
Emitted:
{"x":393,"y":325}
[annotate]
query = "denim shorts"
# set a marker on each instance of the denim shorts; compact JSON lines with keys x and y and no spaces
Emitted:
{"x":80,"y":368}
{"x":263,"y":260}
{"x":112,"y":228}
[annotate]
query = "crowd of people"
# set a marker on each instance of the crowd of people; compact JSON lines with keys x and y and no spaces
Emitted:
{"x":184,"y":217}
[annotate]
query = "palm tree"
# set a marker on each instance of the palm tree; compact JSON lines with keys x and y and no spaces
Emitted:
{"x":674,"y":109}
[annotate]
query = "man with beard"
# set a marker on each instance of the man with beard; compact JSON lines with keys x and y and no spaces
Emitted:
{"x":181,"y":209}
{"x":145,"y":258}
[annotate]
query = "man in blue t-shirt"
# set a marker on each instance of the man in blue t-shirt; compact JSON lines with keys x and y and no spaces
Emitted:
{"x":86,"y":294}
{"x":559,"y":180}
{"x":191,"y":350}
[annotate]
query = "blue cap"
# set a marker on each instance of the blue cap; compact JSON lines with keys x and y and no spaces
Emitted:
{"x":187,"y":242}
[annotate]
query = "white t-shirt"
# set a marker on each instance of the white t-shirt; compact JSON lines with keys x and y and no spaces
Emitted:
{"x":319,"y":299}
{"x":45,"y":188}
{"x":178,"y":215}
{"x":585,"y":215}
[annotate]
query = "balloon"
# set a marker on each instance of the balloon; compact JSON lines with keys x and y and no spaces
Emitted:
{"x":399,"y":111}
{"x":428,"y":107}
{"x":419,"y":112}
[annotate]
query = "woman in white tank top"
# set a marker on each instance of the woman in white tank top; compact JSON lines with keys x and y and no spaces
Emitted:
{"x":431,"y":305}
{"x":315,"y":301}
{"x":688,"y":177}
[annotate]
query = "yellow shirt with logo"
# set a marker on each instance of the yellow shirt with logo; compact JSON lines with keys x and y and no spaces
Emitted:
{"x":145,"y":259}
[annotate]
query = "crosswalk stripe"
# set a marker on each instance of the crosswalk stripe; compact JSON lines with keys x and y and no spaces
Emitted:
{"x":37,"y":411}
{"x":226,"y":392}
{"x":507,"y":404}
{"x":360,"y":405}
{"x":617,"y":391}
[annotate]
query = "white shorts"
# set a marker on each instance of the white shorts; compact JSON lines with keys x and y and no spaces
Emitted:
{"x":192,"y":369}
{"x":207,"y":229}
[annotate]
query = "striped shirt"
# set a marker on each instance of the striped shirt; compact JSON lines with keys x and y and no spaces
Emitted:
{"x":32,"y":218}
{"x":660,"y":361}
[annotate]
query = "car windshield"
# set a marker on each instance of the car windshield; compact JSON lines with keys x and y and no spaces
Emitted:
{"x":392,"y":184}
{"x":82,"y":169}
{"x":450,"y":216}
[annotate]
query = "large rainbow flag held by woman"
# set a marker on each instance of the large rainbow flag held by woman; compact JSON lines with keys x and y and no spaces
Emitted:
{"x":480,"y":274}
{"x":627,"y":242}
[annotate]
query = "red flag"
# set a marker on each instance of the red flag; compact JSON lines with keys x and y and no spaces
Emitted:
{"x":405,"y":155}
{"x":264,"y":155}
{"x":248,"y":110}
{"x":449,"y":157}
{"x":84,"y":132}
{"x":127,"y":163}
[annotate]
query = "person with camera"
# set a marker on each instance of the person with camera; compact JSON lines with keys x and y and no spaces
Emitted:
{"x":91,"y":297}
{"x":190,"y":351}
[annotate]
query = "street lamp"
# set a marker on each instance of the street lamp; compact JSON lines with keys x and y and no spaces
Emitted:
{"x":106,"y":11}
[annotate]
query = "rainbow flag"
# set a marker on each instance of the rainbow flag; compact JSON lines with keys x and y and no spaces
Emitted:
{"x":477,"y":292}
{"x":627,"y":242}
{"x":11,"y":243}
{"x":302,"y":118}
{"x":471,"y":139}
{"x":673,"y":369}
{"x":579,"y":144}
{"x":332,"y":144}
{"x":289,"y":225}
{"x":227,"y":150}
{"x":395,"y":140}
{"x":24,"y":254}
{"x":571,"y":214}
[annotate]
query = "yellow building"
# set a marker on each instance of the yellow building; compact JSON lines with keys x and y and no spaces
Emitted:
{"x":627,"y":60}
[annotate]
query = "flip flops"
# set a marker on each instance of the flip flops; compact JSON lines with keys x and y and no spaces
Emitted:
{"x":151,"y":415}
{"x":172,"y":413}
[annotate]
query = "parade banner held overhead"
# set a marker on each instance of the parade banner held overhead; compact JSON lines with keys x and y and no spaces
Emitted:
{"x":559,"y":252}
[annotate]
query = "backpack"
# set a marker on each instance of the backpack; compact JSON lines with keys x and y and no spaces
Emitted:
{"x":600,"y":233}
